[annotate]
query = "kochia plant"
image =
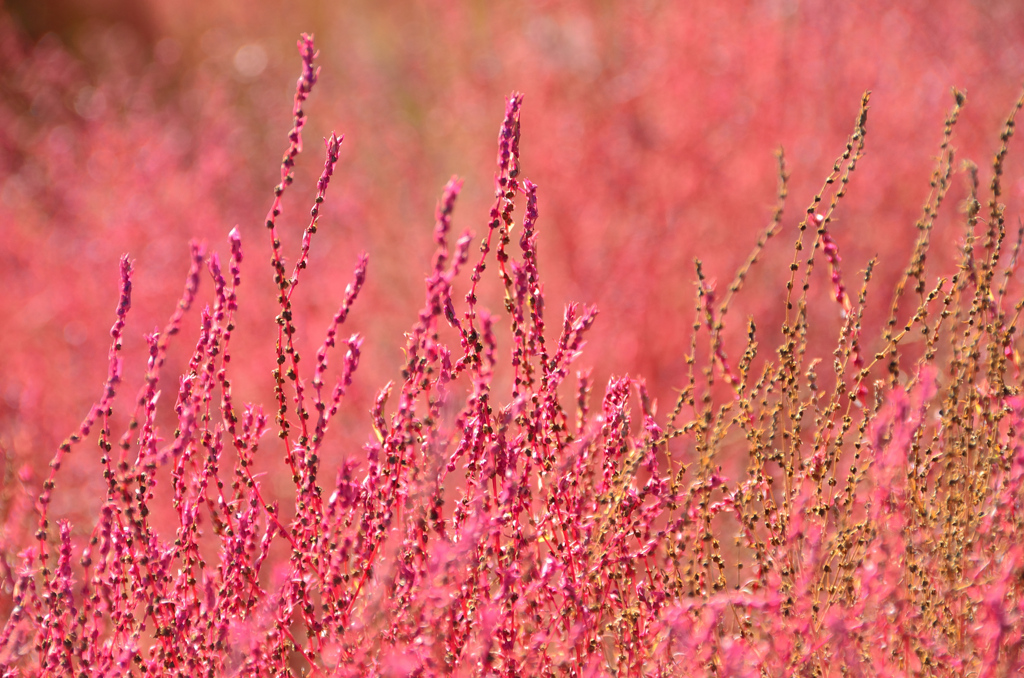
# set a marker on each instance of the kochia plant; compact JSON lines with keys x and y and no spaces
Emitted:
{"x":853,"y":511}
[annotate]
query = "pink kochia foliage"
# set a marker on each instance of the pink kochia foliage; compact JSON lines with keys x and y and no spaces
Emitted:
{"x":501,"y":523}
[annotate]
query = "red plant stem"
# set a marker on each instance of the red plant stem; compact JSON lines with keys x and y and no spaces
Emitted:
{"x":303,"y":87}
{"x":100,"y":408}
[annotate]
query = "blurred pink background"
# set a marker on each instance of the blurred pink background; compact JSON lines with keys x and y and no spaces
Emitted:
{"x":650,"y":128}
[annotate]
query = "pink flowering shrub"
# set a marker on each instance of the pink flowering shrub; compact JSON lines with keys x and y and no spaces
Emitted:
{"x":805,"y":510}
